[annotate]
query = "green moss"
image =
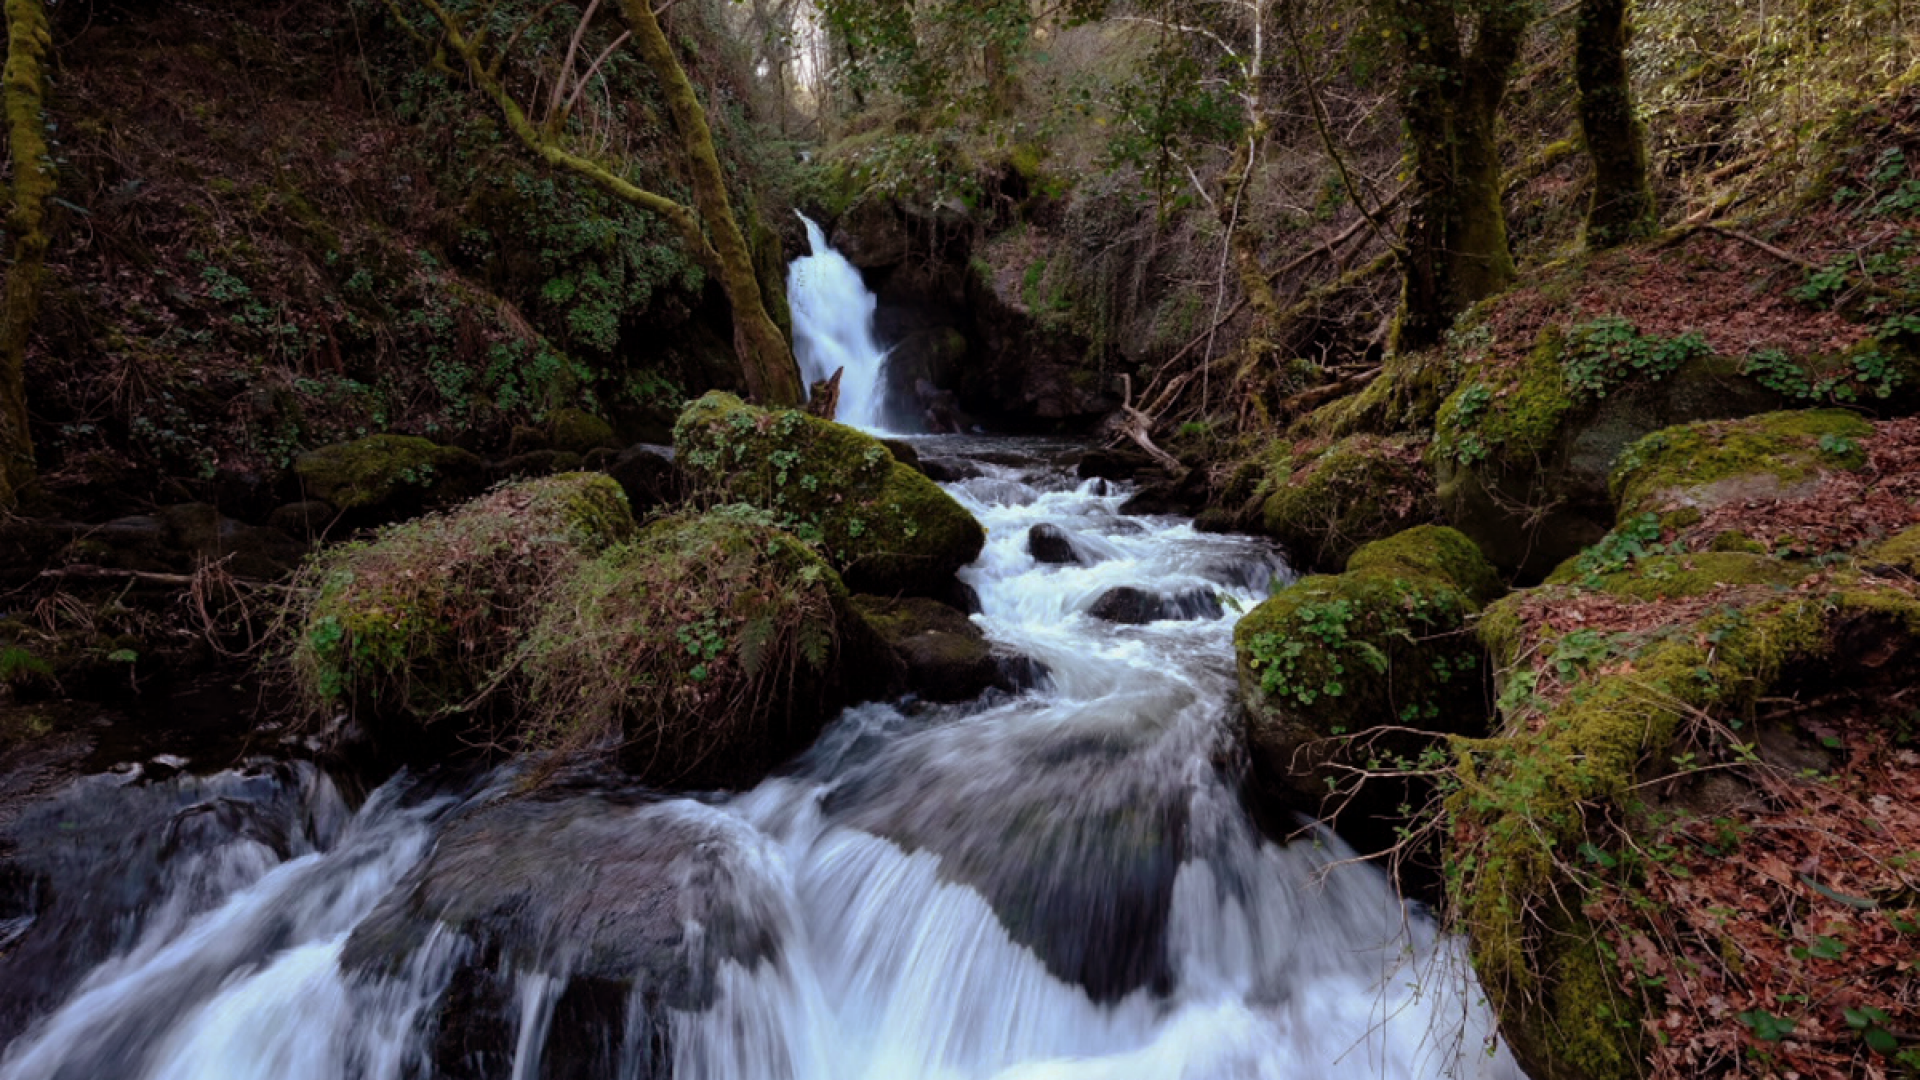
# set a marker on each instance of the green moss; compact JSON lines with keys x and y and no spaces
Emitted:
{"x":1672,"y":576}
{"x":881,"y":524}
{"x":373,"y":471}
{"x":1433,"y":551}
{"x":577,"y":431}
{"x":705,"y":632}
{"x":1511,"y":415}
{"x":1403,"y":399}
{"x":1526,"y":801}
{"x":1323,"y":506}
{"x":419,"y":619}
{"x":1901,"y":552}
{"x":1382,"y":644}
{"x":1683,"y":464}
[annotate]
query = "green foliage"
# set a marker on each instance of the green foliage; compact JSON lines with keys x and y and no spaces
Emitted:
{"x":18,"y":667}
{"x":1610,"y":352}
{"x":1635,"y":539}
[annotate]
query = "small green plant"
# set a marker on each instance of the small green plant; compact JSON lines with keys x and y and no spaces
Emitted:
{"x":1609,"y":351}
{"x":1637,"y":539}
{"x":1767,"y":1027}
{"x":19,"y":667}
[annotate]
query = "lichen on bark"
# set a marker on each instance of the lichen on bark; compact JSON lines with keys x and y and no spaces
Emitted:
{"x":25,"y":84}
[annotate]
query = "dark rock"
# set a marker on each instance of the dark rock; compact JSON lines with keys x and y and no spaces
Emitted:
{"x":1018,"y":673}
{"x":1049,"y":543}
{"x":599,"y":889}
{"x":1137,"y":607}
{"x":904,"y":453}
{"x":306,"y":520}
{"x":1113,"y":464}
{"x":527,"y":440}
{"x":532,"y":464}
{"x":1181,"y":497}
{"x":947,"y":471}
{"x":649,"y":476}
{"x":1215,"y":519}
{"x":198,"y":532}
{"x":947,"y":658}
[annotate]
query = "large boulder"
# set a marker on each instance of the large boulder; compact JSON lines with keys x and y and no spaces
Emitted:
{"x":946,"y":656}
{"x":418,"y":620}
{"x":1328,"y":660}
{"x":709,"y":650}
{"x":633,"y":907}
{"x":884,"y":527}
{"x":387,"y":477}
{"x":1682,"y":474}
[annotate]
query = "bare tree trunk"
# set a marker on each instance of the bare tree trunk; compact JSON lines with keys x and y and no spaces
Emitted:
{"x":28,"y":40}
{"x":1622,"y":206}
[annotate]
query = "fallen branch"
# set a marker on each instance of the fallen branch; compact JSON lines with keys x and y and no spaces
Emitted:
{"x":1138,"y":426}
{"x":1308,"y":400}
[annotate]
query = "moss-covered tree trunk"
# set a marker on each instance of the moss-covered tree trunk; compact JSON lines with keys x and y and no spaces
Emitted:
{"x":773,"y":377}
{"x":1622,"y":205}
{"x":28,"y":40}
{"x":1457,"y":59}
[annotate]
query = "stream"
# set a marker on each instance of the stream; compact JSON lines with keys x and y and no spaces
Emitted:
{"x":1057,"y":883}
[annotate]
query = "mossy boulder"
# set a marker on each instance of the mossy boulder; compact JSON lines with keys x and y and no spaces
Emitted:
{"x":1597,"y":719}
{"x":884,"y":527}
{"x":1680,"y":473}
{"x":708,"y":650}
{"x":1386,"y":644}
{"x":577,"y":431}
{"x":1322,"y":504}
{"x":387,"y":477}
{"x":420,"y":619}
{"x":945,"y":656}
{"x":1402,"y":399}
{"x":1522,"y":451}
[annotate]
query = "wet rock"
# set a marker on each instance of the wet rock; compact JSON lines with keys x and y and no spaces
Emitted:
{"x":1181,"y":496}
{"x":948,"y":471}
{"x":904,"y":453}
{"x":946,"y":656}
{"x":1115,"y":464}
{"x":631,"y":904}
{"x":649,"y":476}
{"x":1137,"y":607}
{"x":1049,"y":543}
{"x":203,"y":536}
{"x":85,"y":871}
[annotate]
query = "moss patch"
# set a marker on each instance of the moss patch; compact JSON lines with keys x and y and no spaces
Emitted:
{"x":885,"y":527}
{"x":421,"y":618}
{"x":1322,"y":505}
{"x":1329,"y":658}
{"x":386,"y":472}
{"x":1700,"y":466}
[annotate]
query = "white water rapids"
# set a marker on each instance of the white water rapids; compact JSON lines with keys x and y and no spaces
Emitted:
{"x":1058,"y":884}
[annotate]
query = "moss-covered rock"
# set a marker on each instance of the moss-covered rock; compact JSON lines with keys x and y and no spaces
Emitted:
{"x":1327,"y":660}
{"x":709,"y":649}
{"x":1323,"y":504}
{"x":1402,"y":399}
{"x":419,"y":620}
{"x":1522,"y":451}
{"x":946,"y":657}
{"x":886,"y":528}
{"x":577,"y":431}
{"x":386,"y":477}
{"x":1591,"y":718}
{"x":1681,"y":472}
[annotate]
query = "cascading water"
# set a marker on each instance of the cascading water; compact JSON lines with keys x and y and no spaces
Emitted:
{"x":1059,"y":884}
{"x":833,"y":330}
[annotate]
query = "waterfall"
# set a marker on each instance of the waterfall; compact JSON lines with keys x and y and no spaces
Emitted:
{"x":1058,"y":884}
{"x":833,"y":330}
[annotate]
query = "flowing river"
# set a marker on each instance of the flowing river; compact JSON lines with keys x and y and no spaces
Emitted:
{"x":1060,"y":882}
